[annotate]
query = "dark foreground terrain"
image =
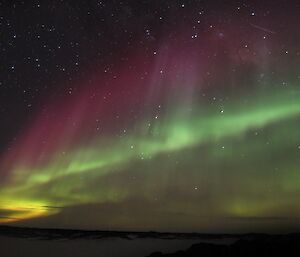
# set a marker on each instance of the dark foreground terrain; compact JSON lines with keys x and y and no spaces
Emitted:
{"x":16,"y":241}
{"x":255,"y":245}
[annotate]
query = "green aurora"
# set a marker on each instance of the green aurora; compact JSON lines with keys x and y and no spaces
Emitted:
{"x":227,"y":165}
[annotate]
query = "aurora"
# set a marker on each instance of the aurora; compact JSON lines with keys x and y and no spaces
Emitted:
{"x":199,"y":131}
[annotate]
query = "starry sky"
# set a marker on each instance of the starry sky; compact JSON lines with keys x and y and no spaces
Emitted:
{"x":150,"y":115}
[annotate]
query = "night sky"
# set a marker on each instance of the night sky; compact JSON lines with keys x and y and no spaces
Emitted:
{"x":150,"y":115}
